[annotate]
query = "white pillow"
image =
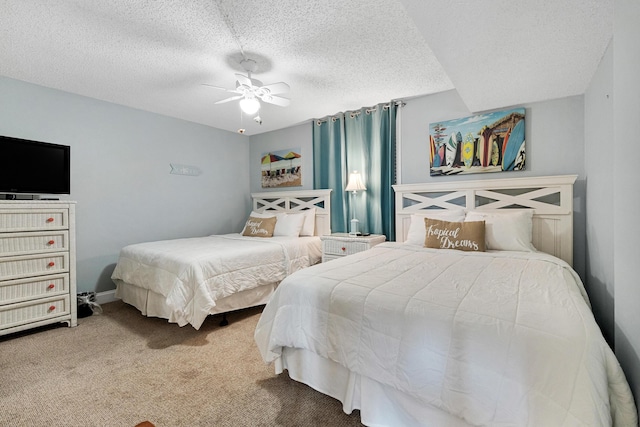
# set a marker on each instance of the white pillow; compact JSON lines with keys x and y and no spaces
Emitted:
{"x":288,"y":225}
{"x":506,"y":231}
{"x":265,"y":214}
{"x":309,"y":226}
{"x":417,"y":230}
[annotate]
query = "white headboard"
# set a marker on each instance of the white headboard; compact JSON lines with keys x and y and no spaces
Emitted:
{"x":296,"y":201}
{"x":550,"y":197}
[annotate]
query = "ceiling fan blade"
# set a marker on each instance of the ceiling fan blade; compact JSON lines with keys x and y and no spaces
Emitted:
{"x":221,"y":88}
{"x":213,"y":87}
{"x":233,"y":98}
{"x":244,"y":80}
{"x":276,"y":100}
{"x":274,"y":88}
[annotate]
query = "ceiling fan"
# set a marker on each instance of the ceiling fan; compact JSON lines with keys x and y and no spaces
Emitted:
{"x":251,"y":91}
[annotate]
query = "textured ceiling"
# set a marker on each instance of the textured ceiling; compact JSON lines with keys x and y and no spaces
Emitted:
{"x":500,"y":53}
{"x":336,"y":55}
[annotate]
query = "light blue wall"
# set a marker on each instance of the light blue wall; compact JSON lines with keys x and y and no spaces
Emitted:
{"x":599,"y":146}
{"x":120,"y":172}
{"x":626,"y":178}
{"x":554,"y":135}
{"x":612,"y":109}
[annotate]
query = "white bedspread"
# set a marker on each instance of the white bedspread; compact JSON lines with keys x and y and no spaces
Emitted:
{"x":193,"y":273}
{"x":495,"y":338}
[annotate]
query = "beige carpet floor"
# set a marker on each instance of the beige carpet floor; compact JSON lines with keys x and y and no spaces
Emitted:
{"x":120,"y":368}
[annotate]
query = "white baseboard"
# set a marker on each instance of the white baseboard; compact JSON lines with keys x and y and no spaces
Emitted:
{"x":106,"y":296}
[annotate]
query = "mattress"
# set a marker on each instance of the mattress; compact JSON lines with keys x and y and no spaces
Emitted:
{"x":192,"y":274}
{"x":493,"y":338}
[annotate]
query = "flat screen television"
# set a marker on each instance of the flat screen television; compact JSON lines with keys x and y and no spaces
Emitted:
{"x":34,"y":167}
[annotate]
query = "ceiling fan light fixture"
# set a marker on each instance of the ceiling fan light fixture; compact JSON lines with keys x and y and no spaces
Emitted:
{"x":249,"y":105}
{"x":252,"y":93}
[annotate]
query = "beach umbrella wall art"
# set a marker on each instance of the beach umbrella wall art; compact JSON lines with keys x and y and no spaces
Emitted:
{"x":270,"y":160}
{"x":490,"y":142}
{"x":281,"y":168}
{"x":291,"y":156}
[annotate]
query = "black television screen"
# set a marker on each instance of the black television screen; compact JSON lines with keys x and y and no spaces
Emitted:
{"x":34,"y":167}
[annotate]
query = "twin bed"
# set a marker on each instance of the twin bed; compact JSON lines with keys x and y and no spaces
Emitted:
{"x":185,"y":280}
{"x":417,"y":336}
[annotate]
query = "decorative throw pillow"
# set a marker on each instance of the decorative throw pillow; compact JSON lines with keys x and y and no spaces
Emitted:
{"x":266,"y":214}
{"x":415,"y":235}
{"x":463,"y":236}
{"x":259,"y":227}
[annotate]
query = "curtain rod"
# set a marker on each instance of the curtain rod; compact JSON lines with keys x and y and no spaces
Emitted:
{"x":355,"y":113}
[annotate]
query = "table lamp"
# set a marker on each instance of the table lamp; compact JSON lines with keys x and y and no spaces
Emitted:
{"x":354,"y":185}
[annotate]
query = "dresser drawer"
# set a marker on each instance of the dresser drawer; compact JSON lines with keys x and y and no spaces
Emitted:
{"x":33,"y":242}
{"x":327,"y":257}
{"x":33,"y":265}
{"x":338,"y":247}
{"x":33,"y":311}
{"x":12,"y":291}
{"x":34,"y":219}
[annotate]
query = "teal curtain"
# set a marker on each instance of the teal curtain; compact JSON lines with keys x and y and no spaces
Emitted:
{"x":329,"y":150}
{"x":363,"y":141}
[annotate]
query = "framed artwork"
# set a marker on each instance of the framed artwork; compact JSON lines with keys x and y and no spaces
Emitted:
{"x":281,"y":168}
{"x":491,"y":142}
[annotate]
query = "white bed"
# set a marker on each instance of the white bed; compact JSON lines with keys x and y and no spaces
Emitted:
{"x":185,"y":280}
{"x":414,"y":336}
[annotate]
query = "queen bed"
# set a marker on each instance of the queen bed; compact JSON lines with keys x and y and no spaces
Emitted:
{"x":185,"y":280}
{"x":426,"y":336}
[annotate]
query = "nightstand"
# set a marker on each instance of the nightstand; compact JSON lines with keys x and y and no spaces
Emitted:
{"x":338,"y":245}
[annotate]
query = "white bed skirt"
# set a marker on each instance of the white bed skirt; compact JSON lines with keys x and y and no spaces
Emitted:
{"x":379,"y":405}
{"x":153,"y":304}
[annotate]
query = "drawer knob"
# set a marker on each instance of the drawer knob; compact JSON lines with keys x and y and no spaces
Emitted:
{"x":343,"y":249}
{"x":52,"y":307}
{"x":51,"y":242}
{"x":49,"y":219}
{"x":51,"y":286}
{"x":51,"y":264}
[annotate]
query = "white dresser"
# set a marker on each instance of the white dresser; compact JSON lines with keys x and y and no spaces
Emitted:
{"x":37,"y":264}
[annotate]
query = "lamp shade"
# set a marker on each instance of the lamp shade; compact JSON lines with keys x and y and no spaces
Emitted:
{"x":355,"y":182}
{"x":249,"y":105}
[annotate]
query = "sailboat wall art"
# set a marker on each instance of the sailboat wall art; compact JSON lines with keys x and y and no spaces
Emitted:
{"x":490,"y":142}
{"x":281,"y":168}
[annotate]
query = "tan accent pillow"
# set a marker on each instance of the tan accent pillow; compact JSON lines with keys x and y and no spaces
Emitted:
{"x":463,"y":236}
{"x":259,"y":227}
